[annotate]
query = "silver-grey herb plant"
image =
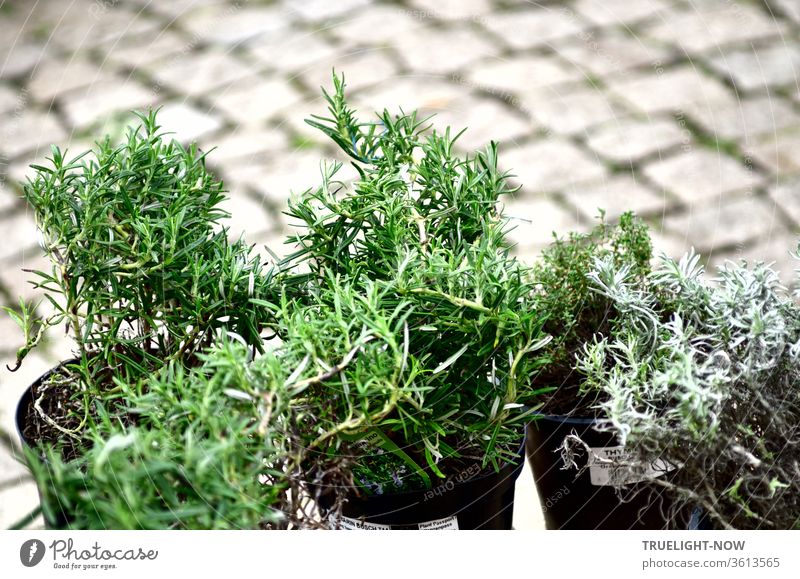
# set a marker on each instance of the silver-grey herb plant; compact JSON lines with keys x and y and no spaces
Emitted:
{"x":703,"y":372}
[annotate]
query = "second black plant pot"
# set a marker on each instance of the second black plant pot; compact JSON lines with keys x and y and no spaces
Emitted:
{"x":587,"y":498}
{"x":468,"y":500}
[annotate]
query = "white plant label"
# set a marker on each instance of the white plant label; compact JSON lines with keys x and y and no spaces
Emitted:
{"x":604,"y":469}
{"x":349,"y":524}
{"x":446,"y":524}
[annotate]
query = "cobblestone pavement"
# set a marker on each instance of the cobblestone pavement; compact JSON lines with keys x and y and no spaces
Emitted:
{"x":687,"y":111}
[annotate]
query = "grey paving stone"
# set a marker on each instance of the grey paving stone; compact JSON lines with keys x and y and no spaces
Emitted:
{"x":616,"y":196}
{"x":521,"y":74}
{"x":775,"y":249}
{"x":534,"y":220}
{"x":717,"y":226}
{"x":573,"y":110}
{"x":608,"y":12}
{"x":361,"y":69}
{"x":552,"y":164}
{"x":301,"y":134}
{"x":612,"y":53}
{"x":628,"y":140}
{"x":786,"y":195}
{"x":670,"y":90}
{"x":450,"y":9}
{"x":788,"y":8}
{"x":668,"y":244}
{"x":9,"y":198}
{"x":778,"y":153}
{"x":702,"y":177}
{"x":249,"y":216}
{"x":76,"y":27}
{"x":434,"y":51}
{"x":695,"y":31}
{"x":534,"y":25}
{"x":381,"y":25}
{"x":277,"y":180}
{"x":485,"y":120}
{"x":12,"y":385}
{"x":197,"y":73}
{"x":321,"y":10}
{"x":759,"y":68}
{"x":20,"y":58}
{"x":12,"y":470}
{"x":292,"y":50}
{"x":425,"y":93}
{"x":138,"y":53}
{"x":186,"y":123}
{"x":18,"y":283}
{"x":19,"y":237}
{"x":254,"y":100}
{"x":10,"y":99}
{"x":17,"y":502}
{"x":16,"y":25}
{"x":245,"y":146}
{"x":234,"y":24}
{"x":28,"y":130}
{"x":97,"y":104}
{"x":56,"y":77}
{"x":746,"y":119}
{"x":176,"y":9}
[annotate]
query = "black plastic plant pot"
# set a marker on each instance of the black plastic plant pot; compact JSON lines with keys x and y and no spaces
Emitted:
{"x":472,"y":499}
{"x":588,"y":498}
{"x":59,"y":520}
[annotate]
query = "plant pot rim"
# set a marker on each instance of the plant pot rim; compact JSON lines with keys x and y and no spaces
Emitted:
{"x":483,"y":475}
{"x":565,"y":419}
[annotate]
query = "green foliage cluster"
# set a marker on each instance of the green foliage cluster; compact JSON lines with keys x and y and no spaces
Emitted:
{"x":574,"y":311}
{"x":702,"y":372}
{"x":145,"y":280}
{"x":418,"y":241}
{"x":194,"y":459}
{"x":142,"y":271}
{"x":402,"y":313}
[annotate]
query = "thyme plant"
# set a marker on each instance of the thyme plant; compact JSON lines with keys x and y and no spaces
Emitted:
{"x":142,"y":270}
{"x":575,"y":313}
{"x":416,"y":244}
{"x":703,"y":373}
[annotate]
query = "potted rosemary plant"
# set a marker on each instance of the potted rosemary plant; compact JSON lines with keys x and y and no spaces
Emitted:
{"x":190,"y":451}
{"x":144,"y":279}
{"x":414,"y":334}
{"x":702,"y":372}
{"x":577,"y":313}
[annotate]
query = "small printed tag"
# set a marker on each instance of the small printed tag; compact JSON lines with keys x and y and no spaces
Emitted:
{"x":349,"y":524}
{"x":604,"y":469}
{"x":446,"y":524}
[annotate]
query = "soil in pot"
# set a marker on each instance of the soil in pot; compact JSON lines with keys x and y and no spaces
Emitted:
{"x":589,"y":499}
{"x":469,"y":499}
